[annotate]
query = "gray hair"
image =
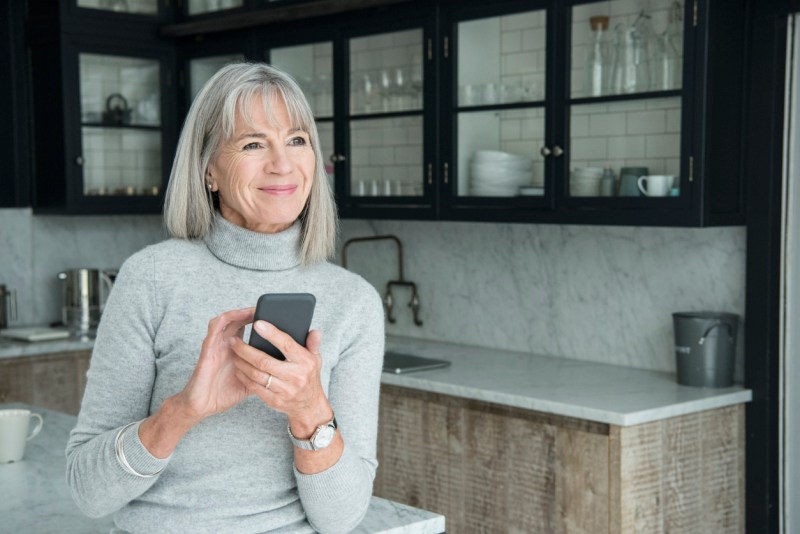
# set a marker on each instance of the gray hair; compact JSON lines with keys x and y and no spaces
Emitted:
{"x":189,"y":206}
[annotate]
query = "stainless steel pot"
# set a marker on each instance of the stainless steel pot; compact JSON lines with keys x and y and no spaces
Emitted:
{"x":85,"y":292}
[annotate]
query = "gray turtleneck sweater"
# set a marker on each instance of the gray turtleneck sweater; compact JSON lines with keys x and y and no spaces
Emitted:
{"x":233,"y":472}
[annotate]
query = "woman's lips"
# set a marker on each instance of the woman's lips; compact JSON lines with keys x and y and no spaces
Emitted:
{"x":279,"y":190}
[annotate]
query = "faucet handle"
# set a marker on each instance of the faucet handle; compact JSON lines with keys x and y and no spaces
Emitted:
{"x":388,"y":303}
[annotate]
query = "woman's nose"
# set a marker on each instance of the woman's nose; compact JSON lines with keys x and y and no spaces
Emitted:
{"x":279,"y":161}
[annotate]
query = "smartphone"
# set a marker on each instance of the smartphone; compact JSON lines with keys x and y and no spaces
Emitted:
{"x":290,"y":312}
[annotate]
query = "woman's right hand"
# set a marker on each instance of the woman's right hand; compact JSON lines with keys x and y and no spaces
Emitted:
{"x":213,"y":387}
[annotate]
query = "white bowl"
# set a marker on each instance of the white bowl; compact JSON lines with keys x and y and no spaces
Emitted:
{"x":588,"y":172}
{"x":502,"y":158}
{"x":493,"y":175}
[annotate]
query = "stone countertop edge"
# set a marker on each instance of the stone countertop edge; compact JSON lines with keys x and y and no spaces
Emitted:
{"x":11,"y":348}
{"x":599,"y":392}
{"x":36,"y":497}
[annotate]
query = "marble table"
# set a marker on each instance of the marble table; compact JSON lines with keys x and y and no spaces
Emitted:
{"x":35,"y":498}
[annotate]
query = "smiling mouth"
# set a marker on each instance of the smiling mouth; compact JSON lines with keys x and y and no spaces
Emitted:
{"x":279,"y":190}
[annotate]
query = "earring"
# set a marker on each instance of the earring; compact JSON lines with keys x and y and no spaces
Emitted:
{"x":209,"y":185}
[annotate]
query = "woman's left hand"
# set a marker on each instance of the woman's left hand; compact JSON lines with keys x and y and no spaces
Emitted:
{"x":295,"y":387}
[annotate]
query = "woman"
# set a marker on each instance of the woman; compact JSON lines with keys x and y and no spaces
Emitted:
{"x":183,"y":426}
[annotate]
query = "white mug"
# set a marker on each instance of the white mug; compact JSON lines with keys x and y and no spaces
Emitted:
{"x":14,"y":426}
{"x":657,"y":185}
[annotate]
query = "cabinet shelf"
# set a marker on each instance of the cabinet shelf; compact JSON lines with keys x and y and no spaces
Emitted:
{"x":150,"y":127}
{"x":626,"y":97}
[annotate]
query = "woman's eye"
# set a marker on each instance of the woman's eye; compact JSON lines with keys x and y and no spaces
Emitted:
{"x":298,"y":141}
{"x":251,"y":146}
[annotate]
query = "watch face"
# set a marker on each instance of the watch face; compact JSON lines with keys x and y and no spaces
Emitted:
{"x":324,"y":437}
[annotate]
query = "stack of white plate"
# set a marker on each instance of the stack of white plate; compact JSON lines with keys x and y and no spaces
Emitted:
{"x":493,"y":173}
{"x":585,"y":181}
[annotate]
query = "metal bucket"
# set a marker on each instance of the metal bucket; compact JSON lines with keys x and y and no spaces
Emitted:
{"x":705,"y":348}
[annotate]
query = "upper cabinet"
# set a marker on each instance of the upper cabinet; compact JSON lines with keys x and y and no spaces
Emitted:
{"x":103,"y":109}
{"x":613,"y":112}
{"x":570,"y":112}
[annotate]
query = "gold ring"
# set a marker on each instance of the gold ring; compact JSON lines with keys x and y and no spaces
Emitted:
{"x":269,"y":381}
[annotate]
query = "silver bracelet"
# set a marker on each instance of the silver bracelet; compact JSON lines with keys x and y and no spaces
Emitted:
{"x":120,"y":452}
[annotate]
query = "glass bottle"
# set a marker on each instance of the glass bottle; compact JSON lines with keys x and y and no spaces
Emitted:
{"x":669,"y":58}
{"x":607,"y":182}
{"x":598,"y":60}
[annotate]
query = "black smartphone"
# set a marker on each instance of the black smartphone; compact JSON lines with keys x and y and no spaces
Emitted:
{"x":290,"y":312}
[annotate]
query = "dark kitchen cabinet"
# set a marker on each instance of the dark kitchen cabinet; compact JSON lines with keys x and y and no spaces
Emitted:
{"x":13,"y":103}
{"x":104,"y":102}
{"x":539,"y":99}
{"x":499,"y":112}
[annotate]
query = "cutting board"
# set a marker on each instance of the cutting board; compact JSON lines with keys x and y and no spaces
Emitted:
{"x":35,"y":333}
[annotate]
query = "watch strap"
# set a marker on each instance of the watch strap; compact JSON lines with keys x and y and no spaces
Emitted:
{"x":311,"y":443}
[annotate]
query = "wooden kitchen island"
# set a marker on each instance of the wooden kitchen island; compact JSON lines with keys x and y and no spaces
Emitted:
{"x":512,"y":442}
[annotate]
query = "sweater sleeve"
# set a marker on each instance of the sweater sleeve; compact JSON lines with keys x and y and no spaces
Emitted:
{"x":118,"y":392}
{"x":337,"y":499}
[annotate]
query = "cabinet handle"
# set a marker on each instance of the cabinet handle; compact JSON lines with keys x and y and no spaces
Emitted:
{"x":446,"y":173}
{"x":79,"y":161}
{"x":430,"y":173}
{"x":556,"y":151}
{"x":430,"y":49}
{"x":336,"y":158}
{"x":446,"y":46}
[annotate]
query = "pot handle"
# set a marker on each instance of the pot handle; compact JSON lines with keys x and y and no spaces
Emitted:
{"x":712,"y":327}
{"x":108,"y":282}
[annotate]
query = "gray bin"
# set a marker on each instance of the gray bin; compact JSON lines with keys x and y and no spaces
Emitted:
{"x":705,"y":348}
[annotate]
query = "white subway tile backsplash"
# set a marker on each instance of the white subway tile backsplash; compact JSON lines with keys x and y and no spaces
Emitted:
{"x":607,"y":124}
{"x":511,"y":42}
{"x":646,"y":122}
{"x":662,"y":146}
{"x":589,"y":148}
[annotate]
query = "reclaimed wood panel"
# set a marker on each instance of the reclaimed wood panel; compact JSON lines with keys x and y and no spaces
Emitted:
{"x":54,"y":381}
{"x":684,"y":474}
{"x":503,"y":469}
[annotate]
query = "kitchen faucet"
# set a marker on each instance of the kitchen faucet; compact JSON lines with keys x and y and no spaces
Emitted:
{"x":388,"y":299}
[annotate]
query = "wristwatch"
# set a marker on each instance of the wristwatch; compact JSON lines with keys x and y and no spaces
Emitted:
{"x":321,"y":438}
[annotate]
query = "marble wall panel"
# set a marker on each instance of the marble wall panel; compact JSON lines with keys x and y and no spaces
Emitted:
{"x":602,"y":294}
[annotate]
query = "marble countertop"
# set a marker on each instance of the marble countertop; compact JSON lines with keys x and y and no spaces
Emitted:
{"x":36,"y":498}
{"x":11,"y":348}
{"x":597,"y":392}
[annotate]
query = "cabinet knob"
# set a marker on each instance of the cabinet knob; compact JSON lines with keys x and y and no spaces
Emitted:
{"x":79,"y":161}
{"x":555,"y":151}
{"x":336,"y":158}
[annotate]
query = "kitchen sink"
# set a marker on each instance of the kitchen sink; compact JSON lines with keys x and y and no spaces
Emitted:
{"x":396,"y":363}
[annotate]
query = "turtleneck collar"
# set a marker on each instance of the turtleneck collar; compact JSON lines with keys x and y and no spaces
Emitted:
{"x":240,"y":247}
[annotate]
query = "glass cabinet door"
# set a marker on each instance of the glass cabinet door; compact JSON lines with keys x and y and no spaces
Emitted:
{"x":121,"y":136}
{"x":386,"y":121}
{"x":311,"y":65}
{"x":626,"y":100}
{"x":201,"y":69}
{"x":199,"y":7}
{"x":143,"y":7}
{"x":499,"y":107}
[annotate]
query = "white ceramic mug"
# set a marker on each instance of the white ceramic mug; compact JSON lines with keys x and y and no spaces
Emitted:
{"x":14,"y":427}
{"x":655,"y":185}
